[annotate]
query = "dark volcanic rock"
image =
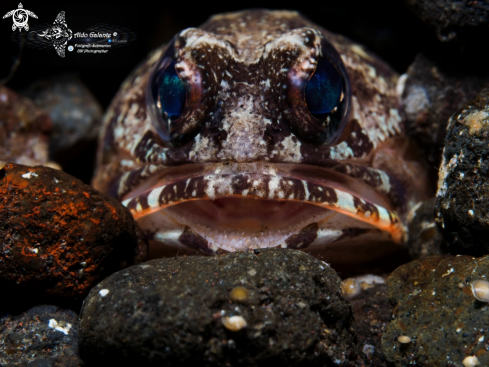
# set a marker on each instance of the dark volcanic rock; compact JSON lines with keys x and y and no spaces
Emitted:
{"x":58,"y":236}
{"x":462,"y":208}
{"x":75,"y":114}
{"x":436,"y":309}
{"x":425,"y":238}
{"x":436,"y":86}
{"x":449,"y":17}
{"x":43,"y":336}
{"x":177,"y":311}
{"x":24,"y":130}
{"x":56,"y":362}
{"x":372,"y":312}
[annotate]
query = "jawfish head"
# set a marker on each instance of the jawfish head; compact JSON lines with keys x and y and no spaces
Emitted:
{"x":261,"y":129}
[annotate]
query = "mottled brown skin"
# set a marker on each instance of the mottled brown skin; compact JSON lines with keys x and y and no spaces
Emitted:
{"x":244,"y":61}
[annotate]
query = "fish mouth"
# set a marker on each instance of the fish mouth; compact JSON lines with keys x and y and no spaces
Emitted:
{"x":240,"y":206}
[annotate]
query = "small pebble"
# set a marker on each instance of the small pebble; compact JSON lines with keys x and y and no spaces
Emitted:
{"x":470,"y":361}
{"x":404,"y":339}
{"x":103,"y":292}
{"x":239,"y":294}
{"x":234,"y":323}
{"x":53,"y":324}
{"x":480,"y":290}
{"x":350,"y":288}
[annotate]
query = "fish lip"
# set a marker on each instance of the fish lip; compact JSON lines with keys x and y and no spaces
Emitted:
{"x":264,"y":181}
{"x":371,"y":184}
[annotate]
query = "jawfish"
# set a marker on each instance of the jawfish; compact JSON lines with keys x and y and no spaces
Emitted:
{"x":261,"y":129}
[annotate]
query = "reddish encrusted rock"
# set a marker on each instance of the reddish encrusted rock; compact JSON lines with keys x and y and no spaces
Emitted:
{"x":24,"y":130}
{"x":58,"y":236}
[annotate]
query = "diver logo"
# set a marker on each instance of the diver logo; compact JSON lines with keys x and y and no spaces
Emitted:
{"x":20,"y":17}
{"x":59,"y":34}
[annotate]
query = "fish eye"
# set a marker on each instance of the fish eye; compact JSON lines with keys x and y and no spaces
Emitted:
{"x":167,"y":98}
{"x":179,"y":95}
{"x":170,"y":93}
{"x":323,"y":90}
{"x":317,"y":102}
{"x":174,"y":99}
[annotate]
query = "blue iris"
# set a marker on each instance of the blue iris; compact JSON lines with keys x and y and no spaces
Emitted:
{"x":323,"y":91}
{"x":171,"y":93}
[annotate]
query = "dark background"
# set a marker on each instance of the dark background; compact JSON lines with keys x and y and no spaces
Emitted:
{"x":386,"y":27}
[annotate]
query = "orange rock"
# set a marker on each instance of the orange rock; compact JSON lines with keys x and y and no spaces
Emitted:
{"x":58,"y":236}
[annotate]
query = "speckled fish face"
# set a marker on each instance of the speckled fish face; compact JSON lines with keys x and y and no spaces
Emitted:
{"x":261,"y":129}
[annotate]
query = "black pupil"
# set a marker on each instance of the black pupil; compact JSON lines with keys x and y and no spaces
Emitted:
{"x":171,"y":93}
{"x":323,"y":91}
